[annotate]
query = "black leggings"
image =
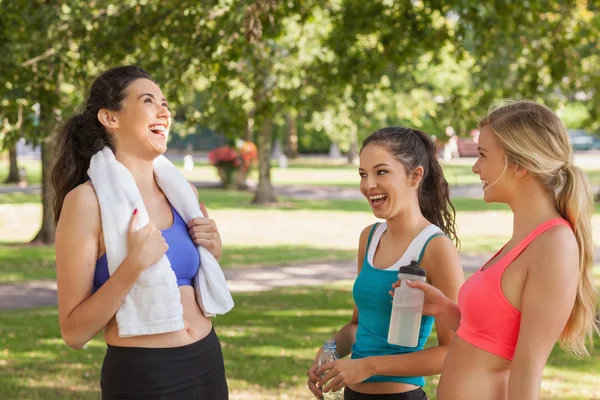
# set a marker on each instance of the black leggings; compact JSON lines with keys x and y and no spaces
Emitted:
{"x":192,"y":372}
{"x":417,"y":394}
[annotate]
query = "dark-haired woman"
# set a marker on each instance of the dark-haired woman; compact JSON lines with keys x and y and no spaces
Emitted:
{"x":405,"y":186}
{"x":127,"y":112}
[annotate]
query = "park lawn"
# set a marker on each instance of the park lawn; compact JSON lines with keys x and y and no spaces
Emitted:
{"x":26,"y":262}
{"x":20,"y":198}
{"x":304,"y":171}
{"x":33,"y":169}
{"x":269,"y":340}
{"x":219,"y":199}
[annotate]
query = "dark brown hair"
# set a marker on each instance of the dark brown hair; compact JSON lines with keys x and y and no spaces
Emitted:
{"x":414,"y":148}
{"x":83,"y":135}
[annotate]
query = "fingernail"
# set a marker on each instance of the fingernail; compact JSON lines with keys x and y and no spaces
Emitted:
{"x":408,"y":281}
{"x":135,"y":211}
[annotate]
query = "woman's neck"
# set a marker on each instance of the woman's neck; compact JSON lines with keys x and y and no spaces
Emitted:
{"x":532,"y":206}
{"x":409,"y":222}
{"x":142,"y":172}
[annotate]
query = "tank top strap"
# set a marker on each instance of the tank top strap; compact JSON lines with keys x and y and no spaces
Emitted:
{"x":375,"y":225}
{"x":426,"y":243}
{"x":519,"y":248}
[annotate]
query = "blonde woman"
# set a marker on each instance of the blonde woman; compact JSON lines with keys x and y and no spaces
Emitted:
{"x":537,"y":289}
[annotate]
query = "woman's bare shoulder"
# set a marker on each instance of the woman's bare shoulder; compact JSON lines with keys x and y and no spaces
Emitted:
{"x":81,"y":205}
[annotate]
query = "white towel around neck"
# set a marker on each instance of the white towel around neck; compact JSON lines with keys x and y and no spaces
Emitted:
{"x":154,"y":303}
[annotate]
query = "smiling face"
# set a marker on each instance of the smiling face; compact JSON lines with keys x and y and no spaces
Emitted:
{"x":142,"y":124}
{"x":497,"y":177}
{"x":385,"y":182}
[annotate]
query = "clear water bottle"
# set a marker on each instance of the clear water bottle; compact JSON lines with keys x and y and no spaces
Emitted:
{"x":407,"y":308}
{"x":329,"y":354}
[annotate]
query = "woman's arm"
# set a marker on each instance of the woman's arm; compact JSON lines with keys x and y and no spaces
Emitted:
{"x":346,"y":336}
{"x":546,"y":304}
{"x":445,"y":272}
{"x":444,"y":310}
{"x":204,"y":232}
{"x":81,"y":314}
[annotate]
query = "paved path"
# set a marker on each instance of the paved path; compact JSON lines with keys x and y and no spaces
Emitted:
{"x":43,"y":293}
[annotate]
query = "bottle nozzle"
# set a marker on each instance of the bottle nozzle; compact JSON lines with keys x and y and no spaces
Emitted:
{"x":412,"y":269}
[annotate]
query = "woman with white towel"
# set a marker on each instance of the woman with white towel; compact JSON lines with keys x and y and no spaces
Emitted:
{"x":127,"y":113}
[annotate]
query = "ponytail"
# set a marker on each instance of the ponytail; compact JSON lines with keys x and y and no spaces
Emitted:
{"x":81,"y":137}
{"x":533,"y":137}
{"x":575,"y":204}
{"x":434,"y":193}
{"x":414,"y":148}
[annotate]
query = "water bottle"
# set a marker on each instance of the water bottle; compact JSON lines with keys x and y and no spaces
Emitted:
{"x":329,"y":354}
{"x":407,"y":308}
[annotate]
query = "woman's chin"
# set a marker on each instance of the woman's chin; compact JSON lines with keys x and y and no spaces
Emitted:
{"x":490,"y":198}
{"x":381,"y":213}
{"x":158,"y":147}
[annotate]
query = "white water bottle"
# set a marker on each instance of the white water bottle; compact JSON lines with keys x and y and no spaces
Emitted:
{"x":407,"y":308}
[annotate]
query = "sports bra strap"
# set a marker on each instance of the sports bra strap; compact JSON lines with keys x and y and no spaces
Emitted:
{"x":518,"y":249}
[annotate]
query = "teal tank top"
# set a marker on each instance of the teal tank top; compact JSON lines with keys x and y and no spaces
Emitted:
{"x":374,"y":304}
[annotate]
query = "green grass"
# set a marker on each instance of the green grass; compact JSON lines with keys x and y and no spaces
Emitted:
{"x":460,"y":174}
{"x":593,"y":176}
{"x":269,"y":340}
{"x":224,"y":199}
{"x":475,"y":245}
{"x":24,"y":263}
{"x":32,"y":168}
{"x":218,"y":199}
{"x":306,"y":171}
{"x":236,"y":257}
{"x":20,"y":198}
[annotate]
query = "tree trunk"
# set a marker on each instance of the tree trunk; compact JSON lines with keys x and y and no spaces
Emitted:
{"x":264,"y":192}
{"x":13,"y":172}
{"x":291,"y":148}
{"x":249,"y":134}
{"x":46,"y":233}
{"x":352,"y":153}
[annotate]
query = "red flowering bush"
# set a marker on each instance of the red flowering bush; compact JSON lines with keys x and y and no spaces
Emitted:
{"x":228,"y":160}
{"x":224,"y":156}
{"x":228,"y":157}
{"x":249,"y":154}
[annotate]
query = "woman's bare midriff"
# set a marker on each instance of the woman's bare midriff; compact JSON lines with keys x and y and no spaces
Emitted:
{"x":197,"y":326}
{"x":472,"y":373}
{"x":382,"y":387}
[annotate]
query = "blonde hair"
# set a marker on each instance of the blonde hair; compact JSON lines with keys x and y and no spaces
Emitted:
{"x":534,"y":137}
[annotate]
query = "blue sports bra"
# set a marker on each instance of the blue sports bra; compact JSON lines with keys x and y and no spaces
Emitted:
{"x":182,"y":254}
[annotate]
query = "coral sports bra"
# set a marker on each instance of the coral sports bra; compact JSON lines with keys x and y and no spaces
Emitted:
{"x":488,"y":320}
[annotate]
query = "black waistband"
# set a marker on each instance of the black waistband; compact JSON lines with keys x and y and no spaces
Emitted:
{"x":417,"y":394}
{"x":140,"y":372}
